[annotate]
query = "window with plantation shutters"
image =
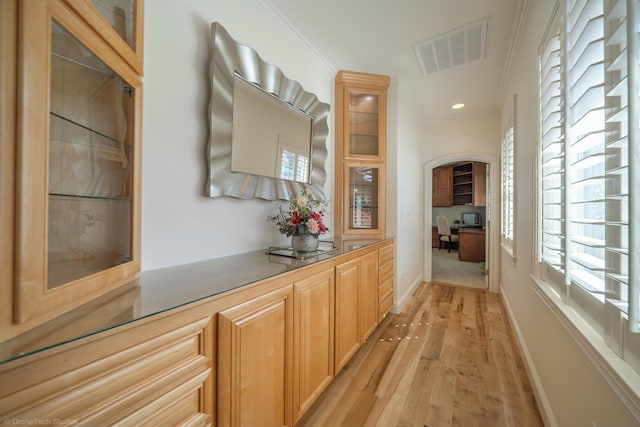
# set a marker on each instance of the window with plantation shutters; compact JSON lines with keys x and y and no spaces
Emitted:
{"x":508,"y":178}
{"x":551,"y":156}
{"x":587,"y":215}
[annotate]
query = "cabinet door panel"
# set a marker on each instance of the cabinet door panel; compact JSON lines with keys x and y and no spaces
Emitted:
{"x":314,"y":346}
{"x":347,"y":336}
{"x":368,"y":296}
{"x":255,"y":361}
{"x":442,"y":186}
{"x":364,"y":198}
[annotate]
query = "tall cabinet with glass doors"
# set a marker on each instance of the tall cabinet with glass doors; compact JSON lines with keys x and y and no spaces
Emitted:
{"x":361,"y":105}
{"x":77,"y":147}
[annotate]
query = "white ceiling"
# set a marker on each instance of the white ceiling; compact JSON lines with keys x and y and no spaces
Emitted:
{"x":377,"y":36}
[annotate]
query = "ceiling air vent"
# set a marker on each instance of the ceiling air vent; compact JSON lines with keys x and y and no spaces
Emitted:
{"x":453,"y":48}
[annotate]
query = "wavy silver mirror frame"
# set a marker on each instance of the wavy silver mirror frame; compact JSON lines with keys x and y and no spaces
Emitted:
{"x":229,"y":58}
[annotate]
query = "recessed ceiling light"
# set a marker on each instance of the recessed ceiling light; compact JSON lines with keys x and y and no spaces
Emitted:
{"x":457,"y":106}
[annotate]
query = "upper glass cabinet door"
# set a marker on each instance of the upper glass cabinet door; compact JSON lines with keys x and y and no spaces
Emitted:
{"x":77,"y":223}
{"x":363,"y":135}
{"x":365,"y":124}
{"x":123,"y":29}
{"x":121,"y":15}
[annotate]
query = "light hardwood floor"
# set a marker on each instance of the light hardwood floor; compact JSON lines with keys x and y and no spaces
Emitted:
{"x":450,"y":359}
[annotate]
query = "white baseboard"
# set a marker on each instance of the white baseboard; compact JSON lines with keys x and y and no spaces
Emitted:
{"x":541,"y":397}
{"x":401,"y":301}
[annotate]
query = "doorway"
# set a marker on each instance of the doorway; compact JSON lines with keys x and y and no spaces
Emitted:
{"x":453,"y":267}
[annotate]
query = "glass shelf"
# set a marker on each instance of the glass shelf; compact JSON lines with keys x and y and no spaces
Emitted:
{"x":363,"y":144}
{"x":86,"y":163}
{"x":67,"y":130}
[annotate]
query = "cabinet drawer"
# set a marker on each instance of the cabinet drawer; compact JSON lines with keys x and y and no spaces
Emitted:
{"x":161,"y":368}
{"x":385,"y":305}
{"x":385,"y":271}
{"x":385,"y":254}
{"x":385,"y":288}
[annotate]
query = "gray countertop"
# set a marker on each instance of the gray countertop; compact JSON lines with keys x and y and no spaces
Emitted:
{"x":160,"y":290}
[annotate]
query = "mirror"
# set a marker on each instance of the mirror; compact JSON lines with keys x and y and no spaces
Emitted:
{"x":267,"y":134}
{"x":269,"y":138}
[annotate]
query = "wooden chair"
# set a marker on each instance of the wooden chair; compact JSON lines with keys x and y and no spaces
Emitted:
{"x":445,"y":233}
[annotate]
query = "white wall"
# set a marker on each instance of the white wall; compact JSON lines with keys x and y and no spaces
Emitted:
{"x":571,"y":392}
{"x":180,"y":224}
{"x":472,"y":133}
{"x":404,"y":170}
{"x":464,"y":137}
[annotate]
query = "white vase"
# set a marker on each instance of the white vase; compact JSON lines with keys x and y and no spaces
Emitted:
{"x":305,"y":242}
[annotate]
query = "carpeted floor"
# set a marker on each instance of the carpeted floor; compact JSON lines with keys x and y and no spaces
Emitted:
{"x":447,"y":268}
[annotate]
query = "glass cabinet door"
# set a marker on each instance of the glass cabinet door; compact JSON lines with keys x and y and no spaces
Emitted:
{"x":363,"y":135}
{"x":364,"y":198}
{"x":365,"y":125}
{"x":119,"y":23}
{"x":90,"y":153}
{"x":77,"y":149}
{"x":121,"y":16}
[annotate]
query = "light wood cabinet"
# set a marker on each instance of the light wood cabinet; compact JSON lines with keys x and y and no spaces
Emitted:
{"x":442,"y":186}
{"x":258,"y":354}
{"x":314,"y":338}
{"x":157,"y":372}
{"x":347,"y":334}
{"x":368,"y":296}
{"x":76,"y":142}
{"x":360,"y":116}
{"x":255,"y":355}
{"x":364,"y":295}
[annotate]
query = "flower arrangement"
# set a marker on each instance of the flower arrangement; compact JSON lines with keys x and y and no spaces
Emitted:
{"x":304,"y":216}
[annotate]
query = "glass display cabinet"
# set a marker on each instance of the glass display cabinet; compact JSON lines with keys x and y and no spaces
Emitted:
{"x":78,"y":145}
{"x":360,"y":154}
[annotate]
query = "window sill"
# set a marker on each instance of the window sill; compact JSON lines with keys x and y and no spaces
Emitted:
{"x":617,"y":373}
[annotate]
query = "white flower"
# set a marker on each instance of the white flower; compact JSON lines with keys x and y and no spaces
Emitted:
{"x":313,"y":226}
{"x":301,"y":201}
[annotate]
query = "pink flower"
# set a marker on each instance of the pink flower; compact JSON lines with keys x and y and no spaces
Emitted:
{"x":314,"y":226}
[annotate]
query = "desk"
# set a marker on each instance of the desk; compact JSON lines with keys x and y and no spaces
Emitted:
{"x":471,"y":244}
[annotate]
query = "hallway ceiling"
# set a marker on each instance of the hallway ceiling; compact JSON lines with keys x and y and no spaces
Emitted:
{"x":378,"y":36}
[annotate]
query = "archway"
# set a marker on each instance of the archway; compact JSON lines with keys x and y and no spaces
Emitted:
{"x":493,"y":211}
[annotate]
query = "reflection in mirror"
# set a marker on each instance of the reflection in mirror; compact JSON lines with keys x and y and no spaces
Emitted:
{"x":296,"y":165}
{"x":269,"y":137}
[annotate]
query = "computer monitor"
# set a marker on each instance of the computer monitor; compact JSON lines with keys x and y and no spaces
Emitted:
{"x":471,"y":219}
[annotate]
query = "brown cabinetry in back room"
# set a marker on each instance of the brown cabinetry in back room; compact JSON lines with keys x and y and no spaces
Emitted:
{"x":459,"y":184}
{"x":442,"y":195}
{"x":469,"y":187}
